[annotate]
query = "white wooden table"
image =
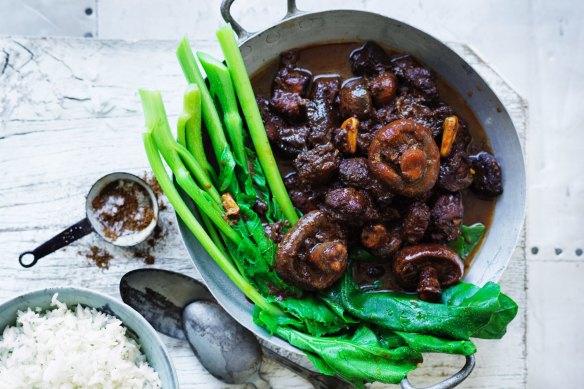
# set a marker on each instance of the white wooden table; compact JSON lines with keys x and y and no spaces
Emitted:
{"x":70,"y":113}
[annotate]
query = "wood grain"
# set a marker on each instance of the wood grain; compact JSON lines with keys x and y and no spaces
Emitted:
{"x":70,"y":113}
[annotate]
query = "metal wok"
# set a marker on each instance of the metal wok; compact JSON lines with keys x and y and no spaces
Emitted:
{"x":299,"y":29}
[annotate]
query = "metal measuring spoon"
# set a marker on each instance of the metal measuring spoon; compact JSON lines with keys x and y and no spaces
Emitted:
{"x":182,"y":307}
{"x":90,"y":223}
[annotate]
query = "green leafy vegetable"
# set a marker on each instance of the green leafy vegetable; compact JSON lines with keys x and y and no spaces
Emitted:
{"x":433,"y":344}
{"x":313,"y":317}
{"x":260,"y":258}
{"x":469,"y":237}
{"x":358,"y":360}
{"x":465,"y":294}
{"x":365,"y":335}
{"x":466,"y":310}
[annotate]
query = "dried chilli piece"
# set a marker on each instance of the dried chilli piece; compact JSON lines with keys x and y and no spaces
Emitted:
{"x":346,"y":136}
{"x":230,"y":206}
{"x":450,"y":129}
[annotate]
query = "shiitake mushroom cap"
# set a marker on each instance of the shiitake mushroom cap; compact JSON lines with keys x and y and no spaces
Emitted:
{"x":313,"y":254}
{"x":404,"y":156}
{"x":427,"y":268}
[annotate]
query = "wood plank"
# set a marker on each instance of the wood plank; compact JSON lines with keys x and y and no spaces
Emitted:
{"x":70,"y":113}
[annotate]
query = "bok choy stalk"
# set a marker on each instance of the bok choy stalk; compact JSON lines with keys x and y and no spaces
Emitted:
{"x":222,"y":87}
{"x":222,"y":90}
{"x":189,"y":128}
{"x":191,"y":222}
{"x":172,"y":152}
{"x":254,"y":255}
{"x":190,"y":136}
{"x":242,"y":84}
{"x":210,"y":115}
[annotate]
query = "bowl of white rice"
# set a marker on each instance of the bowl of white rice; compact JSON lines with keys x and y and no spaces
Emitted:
{"x":78,"y":338}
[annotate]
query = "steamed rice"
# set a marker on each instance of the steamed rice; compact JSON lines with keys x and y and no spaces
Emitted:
{"x":71,"y":348}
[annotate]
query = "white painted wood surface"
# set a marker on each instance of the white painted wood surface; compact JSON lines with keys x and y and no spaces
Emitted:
{"x":534,"y":44}
{"x":537,"y":46}
{"x":70,"y":113}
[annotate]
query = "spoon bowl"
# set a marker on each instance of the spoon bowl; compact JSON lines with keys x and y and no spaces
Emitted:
{"x":160,"y":296}
{"x":228,"y":350}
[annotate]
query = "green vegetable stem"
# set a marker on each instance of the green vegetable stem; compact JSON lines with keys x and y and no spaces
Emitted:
{"x":253,"y":118}
{"x":190,"y":136}
{"x":222,"y":90}
{"x":189,"y":128}
{"x":157,"y":122}
{"x":222,"y":87}
{"x":191,"y":222}
{"x":210,"y":115}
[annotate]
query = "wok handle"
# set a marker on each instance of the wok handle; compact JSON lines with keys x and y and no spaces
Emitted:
{"x":241,"y":32}
{"x":448,"y":383}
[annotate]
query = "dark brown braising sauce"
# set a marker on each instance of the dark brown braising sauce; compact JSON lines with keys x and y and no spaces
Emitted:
{"x":333,"y":59}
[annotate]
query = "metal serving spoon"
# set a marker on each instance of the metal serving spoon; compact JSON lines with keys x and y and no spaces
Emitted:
{"x":182,"y":307}
{"x":227,"y":350}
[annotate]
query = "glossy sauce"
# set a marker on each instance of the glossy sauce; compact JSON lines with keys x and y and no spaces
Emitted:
{"x":334,"y":59}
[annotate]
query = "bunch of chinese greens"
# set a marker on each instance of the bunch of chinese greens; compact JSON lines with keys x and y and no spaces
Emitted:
{"x":360,"y":335}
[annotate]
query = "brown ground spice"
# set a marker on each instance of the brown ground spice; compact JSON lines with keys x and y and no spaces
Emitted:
{"x":100,"y":256}
{"x":145,"y":250}
{"x":122,"y":208}
{"x":153,"y":183}
{"x":146,"y":256}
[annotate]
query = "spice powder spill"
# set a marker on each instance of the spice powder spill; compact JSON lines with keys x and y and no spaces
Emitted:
{"x":153,"y":183}
{"x":100,"y":256}
{"x":122,"y":208}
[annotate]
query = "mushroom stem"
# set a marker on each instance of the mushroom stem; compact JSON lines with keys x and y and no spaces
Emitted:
{"x":428,"y":285}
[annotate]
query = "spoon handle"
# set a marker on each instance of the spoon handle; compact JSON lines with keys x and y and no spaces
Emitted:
{"x":319,"y":381}
{"x":71,"y":234}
